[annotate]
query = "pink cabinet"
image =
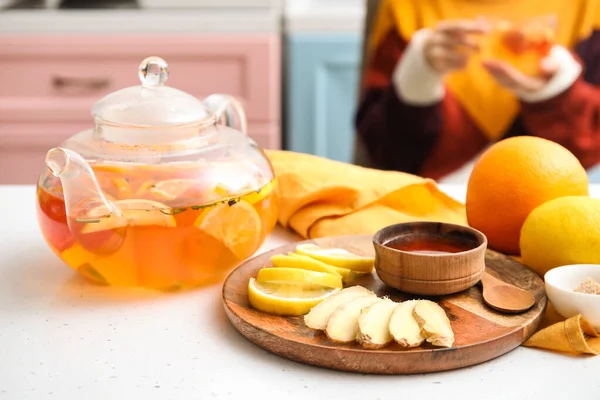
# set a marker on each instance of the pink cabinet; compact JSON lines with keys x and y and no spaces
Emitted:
{"x":50,"y":83}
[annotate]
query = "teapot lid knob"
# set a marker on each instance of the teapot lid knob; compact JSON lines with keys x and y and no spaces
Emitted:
{"x":151,"y":104}
{"x":153,"y":72}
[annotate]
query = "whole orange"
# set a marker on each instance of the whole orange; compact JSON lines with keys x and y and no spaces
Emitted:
{"x":514,"y":176}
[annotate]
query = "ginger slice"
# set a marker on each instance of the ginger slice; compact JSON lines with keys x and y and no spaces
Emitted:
{"x":373,"y":324}
{"x":342,"y":326}
{"x":434,"y":323}
{"x":403,"y":327}
{"x":319,"y":315}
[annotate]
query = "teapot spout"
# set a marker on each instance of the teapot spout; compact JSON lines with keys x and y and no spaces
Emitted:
{"x":81,"y":190}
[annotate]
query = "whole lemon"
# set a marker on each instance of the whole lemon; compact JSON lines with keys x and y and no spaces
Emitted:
{"x":514,"y":176}
{"x":562,"y":231}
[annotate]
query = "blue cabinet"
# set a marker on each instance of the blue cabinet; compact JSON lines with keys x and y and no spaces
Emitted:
{"x":322,"y":72}
{"x":594,"y":174}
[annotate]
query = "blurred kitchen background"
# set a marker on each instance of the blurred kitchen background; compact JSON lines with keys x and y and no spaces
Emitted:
{"x":295,"y":65}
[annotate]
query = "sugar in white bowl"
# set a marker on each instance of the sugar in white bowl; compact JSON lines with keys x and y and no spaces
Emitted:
{"x":561,"y":283}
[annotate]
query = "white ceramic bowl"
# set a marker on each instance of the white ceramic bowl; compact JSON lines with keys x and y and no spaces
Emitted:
{"x":560,"y":285}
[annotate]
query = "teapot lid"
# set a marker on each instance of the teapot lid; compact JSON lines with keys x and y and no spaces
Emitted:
{"x":152,"y":103}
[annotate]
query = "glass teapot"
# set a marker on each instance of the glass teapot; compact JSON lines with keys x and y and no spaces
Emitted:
{"x":163,"y":192}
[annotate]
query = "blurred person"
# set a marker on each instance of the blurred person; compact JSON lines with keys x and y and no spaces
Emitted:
{"x":428,"y":107}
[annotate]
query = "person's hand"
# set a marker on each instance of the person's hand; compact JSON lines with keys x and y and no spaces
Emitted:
{"x":448,"y":46}
{"x":514,"y":80}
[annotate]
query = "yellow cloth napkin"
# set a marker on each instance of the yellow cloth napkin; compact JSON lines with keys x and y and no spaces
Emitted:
{"x":574,"y":335}
{"x":322,"y":197}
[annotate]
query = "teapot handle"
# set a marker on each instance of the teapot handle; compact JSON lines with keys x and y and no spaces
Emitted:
{"x":226,"y":108}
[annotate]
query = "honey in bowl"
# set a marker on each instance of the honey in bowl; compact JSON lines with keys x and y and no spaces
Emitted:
{"x":434,"y":245}
{"x":429,"y":258}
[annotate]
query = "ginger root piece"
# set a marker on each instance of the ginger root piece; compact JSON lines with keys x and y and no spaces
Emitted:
{"x":434,"y":323}
{"x":403,"y":327}
{"x":319,"y":315}
{"x":373,"y":324}
{"x":342,"y":326}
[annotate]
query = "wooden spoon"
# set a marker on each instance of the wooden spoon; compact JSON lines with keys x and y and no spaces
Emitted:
{"x":505,"y":297}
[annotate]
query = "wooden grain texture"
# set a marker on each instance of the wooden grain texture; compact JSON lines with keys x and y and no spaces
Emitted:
{"x":430,"y":274}
{"x":481,"y":333}
{"x":504,"y":297}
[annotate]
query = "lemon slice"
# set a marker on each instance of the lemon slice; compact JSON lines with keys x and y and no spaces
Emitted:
{"x":295,"y":260}
{"x":144,"y":189}
{"x":172,"y":189}
{"x":263,"y":192}
{"x":286,"y":299}
{"x":251,"y":197}
{"x":237,"y":226}
{"x":135,"y":212}
{"x":299,"y":276}
{"x":122,"y":187}
{"x":337,"y":257}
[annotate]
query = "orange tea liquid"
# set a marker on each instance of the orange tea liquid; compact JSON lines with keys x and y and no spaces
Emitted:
{"x":188,"y":240}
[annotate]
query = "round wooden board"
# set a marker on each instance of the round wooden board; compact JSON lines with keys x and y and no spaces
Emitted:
{"x":481,"y":333}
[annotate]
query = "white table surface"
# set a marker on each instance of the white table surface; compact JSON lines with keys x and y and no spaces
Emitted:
{"x":62,"y":338}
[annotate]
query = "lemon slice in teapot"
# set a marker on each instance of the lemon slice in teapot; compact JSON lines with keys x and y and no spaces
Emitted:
{"x":135,"y":212}
{"x":238,"y":226}
{"x":172,"y":189}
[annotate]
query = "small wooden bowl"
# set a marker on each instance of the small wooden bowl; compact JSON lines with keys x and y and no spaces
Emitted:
{"x":410,"y":266}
